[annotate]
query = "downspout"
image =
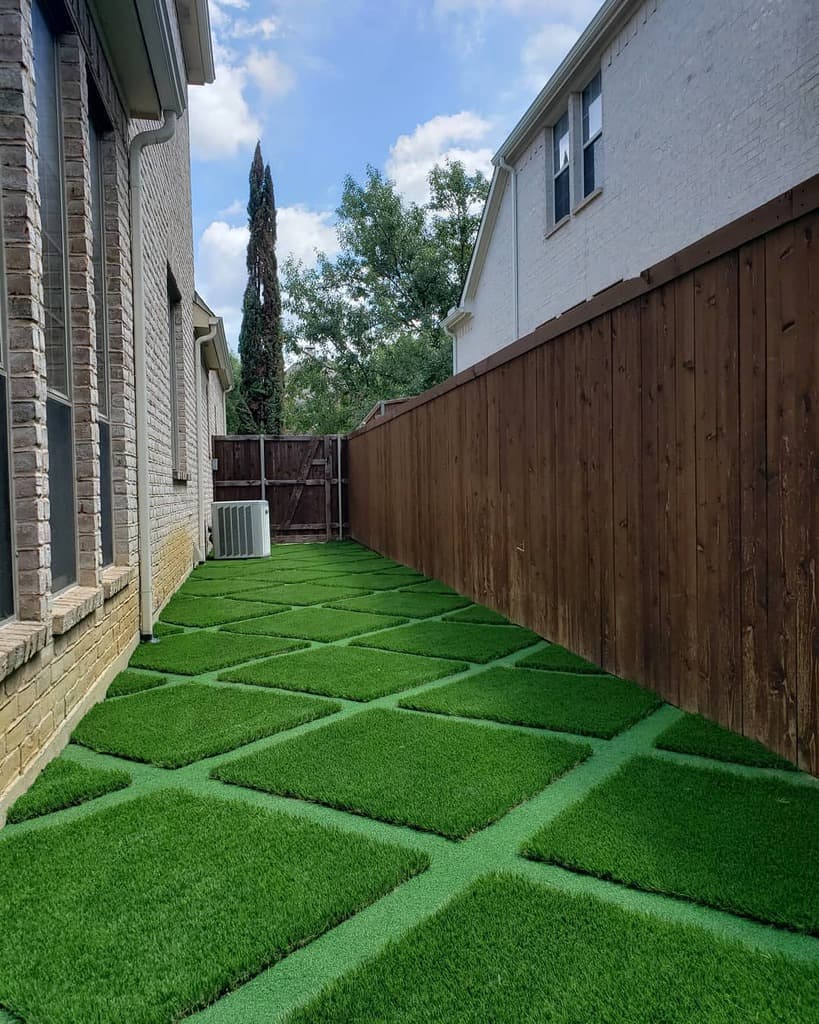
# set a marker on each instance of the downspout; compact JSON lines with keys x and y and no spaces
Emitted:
{"x":153,"y":137}
{"x":510,"y":170}
{"x":200,"y":473}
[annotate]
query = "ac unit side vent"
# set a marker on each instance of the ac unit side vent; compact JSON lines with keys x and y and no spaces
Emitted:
{"x":241,"y":529}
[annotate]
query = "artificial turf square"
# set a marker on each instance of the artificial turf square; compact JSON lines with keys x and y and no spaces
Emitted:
{"x":693,"y":734}
{"x":515,"y":951}
{"x":166,"y":629}
{"x":209,"y":611}
{"x":304,"y":593}
{"x":461,"y":640}
{"x":147,"y":911}
{"x":746,"y":845}
{"x":432,"y":774}
{"x":370,"y":580}
{"x":478,"y":613}
{"x":180,"y":724}
{"x":227,"y":587}
{"x":128,"y":682}
{"x":588,"y":705}
{"x":354,"y":673}
{"x":555,"y":658}
{"x":64,"y":783}
{"x":324,"y":624}
{"x":193,"y":653}
{"x":431,"y":587}
{"x":398,"y":602}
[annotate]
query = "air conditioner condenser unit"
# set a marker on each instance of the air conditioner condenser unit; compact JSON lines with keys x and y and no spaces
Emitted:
{"x":241,"y":529}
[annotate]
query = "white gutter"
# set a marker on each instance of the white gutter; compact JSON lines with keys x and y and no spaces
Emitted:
{"x":510,"y":170}
{"x":200,"y":470}
{"x":153,"y":137}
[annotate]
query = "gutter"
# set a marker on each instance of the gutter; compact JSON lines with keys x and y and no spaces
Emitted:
{"x":200,"y":477}
{"x":513,"y":174}
{"x":152,"y":137}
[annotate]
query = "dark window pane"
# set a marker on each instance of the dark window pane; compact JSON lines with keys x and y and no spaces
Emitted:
{"x":51,"y":202}
{"x":6,"y":554}
{"x":562,"y":195}
{"x":106,"y":494}
{"x":98,"y":238}
{"x":592,"y":108}
{"x":61,"y":494}
{"x":560,"y":140}
{"x":590,"y":175}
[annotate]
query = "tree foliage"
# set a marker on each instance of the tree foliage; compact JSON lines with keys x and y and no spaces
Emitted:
{"x":261,"y":348}
{"x":367,"y":324}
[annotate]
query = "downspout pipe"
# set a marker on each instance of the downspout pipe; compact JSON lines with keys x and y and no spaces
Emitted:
{"x":200,"y":468}
{"x":513,"y":174}
{"x":152,"y":137}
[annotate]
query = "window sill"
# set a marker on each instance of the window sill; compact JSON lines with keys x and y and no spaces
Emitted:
{"x":72,"y":606}
{"x":589,"y":199}
{"x":114,"y":579}
{"x":558,"y":226}
{"x":19,"y":642}
{"x":180,"y":477}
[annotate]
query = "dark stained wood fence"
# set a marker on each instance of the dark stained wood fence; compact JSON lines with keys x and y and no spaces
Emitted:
{"x":301,"y":481}
{"x":638,"y":479}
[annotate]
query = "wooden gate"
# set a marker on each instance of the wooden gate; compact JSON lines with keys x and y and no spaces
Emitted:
{"x":300,"y":476}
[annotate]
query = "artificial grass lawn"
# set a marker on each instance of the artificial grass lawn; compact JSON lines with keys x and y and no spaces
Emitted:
{"x":128,"y":682}
{"x":354,"y":673}
{"x":371,"y":580}
{"x":64,"y":783}
{"x":439,"y":776}
{"x":325,"y":624}
{"x":431,"y":587}
{"x":747,"y":845}
{"x":194,"y":587}
{"x":514,"y":951}
{"x":555,"y":658}
{"x":193,"y":653}
{"x":303,"y":593}
{"x":149,"y":910}
{"x":166,"y":629}
{"x":210,"y":611}
{"x":180,"y":724}
{"x":693,"y":734}
{"x":588,"y":705}
{"x":397,"y":602}
{"x":461,"y":640}
{"x":478,"y":613}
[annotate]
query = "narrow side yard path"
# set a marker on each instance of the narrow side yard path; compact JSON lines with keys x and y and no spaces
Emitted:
{"x":338,"y":791}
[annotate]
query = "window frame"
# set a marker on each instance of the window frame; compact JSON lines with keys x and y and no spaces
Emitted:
{"x":559,"y":172}
{"x":4,"y":373}
{"x":592,"y":141}
{"x":174,"y":299}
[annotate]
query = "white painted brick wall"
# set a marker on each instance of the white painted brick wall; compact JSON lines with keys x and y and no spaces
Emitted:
{"x":710,"y":109}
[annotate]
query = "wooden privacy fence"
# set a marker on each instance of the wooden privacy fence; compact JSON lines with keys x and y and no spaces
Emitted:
{"x":637,"y":479}
{"x":300,"y":476}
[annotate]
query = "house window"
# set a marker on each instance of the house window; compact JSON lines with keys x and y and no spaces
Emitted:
{"x":592,"y":135}
{"x":101,"y":326}
{"x":174,"y":299}
{"x":59,"y":416}
{"x":560,"y":165}
{"x":6,"y":548}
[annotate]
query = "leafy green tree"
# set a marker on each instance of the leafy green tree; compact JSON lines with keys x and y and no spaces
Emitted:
{"x":237,"y":415}
{"x":260,"y":339}
{"x":367,"y":325}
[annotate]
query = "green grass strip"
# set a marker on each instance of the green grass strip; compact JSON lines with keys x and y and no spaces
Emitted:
{"x":693,"y":734}
{"x":478,"y":613}
{"x":452,"y":778}
{"x":353,"y":673}
{"x":194,"y":653}
{"x":588,"y":705}
{"x":514,"y":951}
{"x":220,"y":588}
{"x":746,"y":845}
{"x":555,"y":658}
{"x":177,"y":725}
{"x":398,"y":602}
{"x":304,"y":593}
{"x":461,"y":640}
{"x":431,"y":587}
{"x":128,"y":682}
{"x":210,"y":611}
{"x":149,"y":910}
{"x":324,"y":624}
{"x":64,"y":783}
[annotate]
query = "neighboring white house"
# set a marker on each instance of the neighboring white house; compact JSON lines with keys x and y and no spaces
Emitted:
{"x":667,"y":120}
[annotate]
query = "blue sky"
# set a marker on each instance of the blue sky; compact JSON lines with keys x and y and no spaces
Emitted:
{"x":330,"y":86}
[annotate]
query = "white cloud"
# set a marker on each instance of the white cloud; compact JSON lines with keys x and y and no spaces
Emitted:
{"x":270,"y":73}
{"x":445,"y":137}
{"x":232,"y":211}
{"x":267,"y":28}
{"x":544,"y":51}
{"x":220,"y":118}
{"x":302,"y":231}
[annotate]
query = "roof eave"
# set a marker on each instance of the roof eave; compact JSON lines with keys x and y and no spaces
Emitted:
{"x":197,"y":43}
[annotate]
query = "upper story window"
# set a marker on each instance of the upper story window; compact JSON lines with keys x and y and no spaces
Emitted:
{"x":592,"y":104}
{"x":561,"y":168}
{"x":6,"y":543}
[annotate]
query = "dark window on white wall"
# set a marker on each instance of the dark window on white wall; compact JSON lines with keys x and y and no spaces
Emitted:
{"x":6,"y":544}
{"x":174,"y":299}
{"x":55,"y":305}
{"x":560,"y":165}
{"x":592,"y":134}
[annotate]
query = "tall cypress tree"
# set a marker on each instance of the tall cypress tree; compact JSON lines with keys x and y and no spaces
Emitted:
{"x":260,"y":339}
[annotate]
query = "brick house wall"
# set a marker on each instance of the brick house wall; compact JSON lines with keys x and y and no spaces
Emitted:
{"x":709,"y":111}
{"x":59,"y":652}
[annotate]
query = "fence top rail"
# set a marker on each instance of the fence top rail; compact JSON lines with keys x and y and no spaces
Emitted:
{"x":785,"y":208}
{"x":273,"y":437}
